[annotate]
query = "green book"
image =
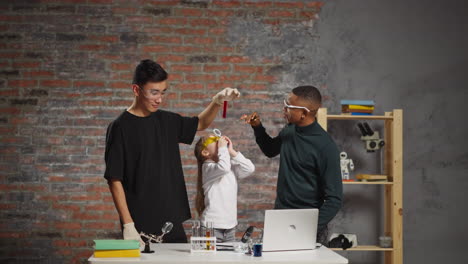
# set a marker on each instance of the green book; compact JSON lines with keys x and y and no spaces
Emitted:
{"x":115,"y":244}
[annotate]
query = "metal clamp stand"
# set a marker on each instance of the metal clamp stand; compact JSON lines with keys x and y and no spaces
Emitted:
{"x":155,"y":239}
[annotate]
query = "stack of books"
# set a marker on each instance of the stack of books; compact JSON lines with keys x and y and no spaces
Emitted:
{"x":110,"y":248}
{"x":357,"y":107}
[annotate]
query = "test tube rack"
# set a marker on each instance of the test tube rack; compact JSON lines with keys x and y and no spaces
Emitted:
{"x":203,"y":244}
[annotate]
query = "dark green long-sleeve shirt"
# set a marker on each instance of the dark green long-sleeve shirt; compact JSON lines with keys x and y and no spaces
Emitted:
{"x":309,"y":173}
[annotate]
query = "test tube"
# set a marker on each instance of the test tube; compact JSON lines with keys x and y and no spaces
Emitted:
{"x":209,"y":233}
{"x":225,"y":109}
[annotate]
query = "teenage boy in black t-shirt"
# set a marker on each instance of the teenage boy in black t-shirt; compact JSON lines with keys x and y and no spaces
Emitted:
{"x":143,"y":164}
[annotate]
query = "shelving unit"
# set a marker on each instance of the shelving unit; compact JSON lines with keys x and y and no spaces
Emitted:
{"x":393,"y":168}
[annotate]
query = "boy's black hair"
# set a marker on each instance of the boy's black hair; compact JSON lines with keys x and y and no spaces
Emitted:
{"x":148,"y":71}
{"x":309,"y":93}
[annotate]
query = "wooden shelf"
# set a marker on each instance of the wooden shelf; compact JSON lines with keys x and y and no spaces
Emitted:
{"x":369,"y":182}
{"x":359,"y":117}
{"x":364,"y":248}
{"x":393,"y":191}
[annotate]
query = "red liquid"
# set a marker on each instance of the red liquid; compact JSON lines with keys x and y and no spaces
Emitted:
{"x":224,"y":109}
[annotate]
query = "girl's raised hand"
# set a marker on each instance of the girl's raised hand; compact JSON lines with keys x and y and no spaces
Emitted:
{"x":222,"y":142}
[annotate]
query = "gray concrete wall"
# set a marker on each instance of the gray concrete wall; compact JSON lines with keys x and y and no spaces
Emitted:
{"x":402,"y":54}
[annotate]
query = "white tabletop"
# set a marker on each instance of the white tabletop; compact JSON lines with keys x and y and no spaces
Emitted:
{"x":180,"y":253}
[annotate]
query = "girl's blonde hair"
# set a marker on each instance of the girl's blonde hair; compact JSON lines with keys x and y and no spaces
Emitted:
{"x":200,"y":196}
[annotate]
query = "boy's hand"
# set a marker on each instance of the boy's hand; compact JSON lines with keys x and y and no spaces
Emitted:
{"x":252,"y":119}
{"x":222,"y":142}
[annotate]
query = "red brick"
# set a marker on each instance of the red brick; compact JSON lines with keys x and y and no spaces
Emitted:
{"x":84,"y":216}
{"x":216,"y":68}
{"x":235,"y":59}
{"x":9,"y":55}
{"x":230,"y":78}
{"x":67,"y":207}
{"x":189,"y":12}
{"x":203,"y":22}
{"x":36,"y":74}
{"x":183,"y":68}
{"x":120,"y":85}
{"x":249,"y":69}
{"x":194,"y":96}
{"x":185,"y":49}
{"x":139,"y":19}
{"x":200,"y":41}
{"x":26,"y":64}
{"x":189,"y":87}
{"x":92,"y":103}
{"x":105,"y":38}
{"x":124,"y":10}
{"x":121,"y":66}
{"x":282,"y":13}
{"x":86,"y":197}
{"x":68,"y":225}
{"x":255,"y":4}
{"x":100,"y":225}
{"x":289,"y":5}
{"x":88,"y":84}
{"x":98,"y":94}
{"x":100,"y":1}
{"x":175,"y":77}
{"x":164,"y":2}
{"x":190,"y":31}
{"x":172,"y":21}
{"x":55,"y":83}
{"x":200,"y":78}
{"x":12,"y":92}
{"x":315,"y":4}
{"x":92,"y":47}
{"x":22,"y":83}
{"x":218,"y":30}
{"x":220,"y":13}
{"x":156,"y":48}
{"x":11,"y":18}
{"x":266,"y":78}
{"x":163,"y":39}
{"x":227,"y":4}
{"x":100,"y":207}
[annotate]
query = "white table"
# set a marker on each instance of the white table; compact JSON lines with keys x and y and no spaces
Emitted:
{"x":180,"y":253}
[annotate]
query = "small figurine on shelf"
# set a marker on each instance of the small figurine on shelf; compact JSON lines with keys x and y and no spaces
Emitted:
{"x":344,"y":163}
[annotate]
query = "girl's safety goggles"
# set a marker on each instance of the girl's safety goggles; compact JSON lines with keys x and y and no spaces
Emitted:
{"x":209,"y":140}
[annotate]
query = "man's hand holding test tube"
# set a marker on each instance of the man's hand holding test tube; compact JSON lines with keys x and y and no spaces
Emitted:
{"x":227,"y":94}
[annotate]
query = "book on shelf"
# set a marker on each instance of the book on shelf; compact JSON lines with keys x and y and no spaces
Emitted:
{"x":372,"y":177}
{"x":356,"y":113}
{"x":116,"y":248}
{"x":357,"y":107}
{"x":119,"y":253}
{"x":357,"y":102}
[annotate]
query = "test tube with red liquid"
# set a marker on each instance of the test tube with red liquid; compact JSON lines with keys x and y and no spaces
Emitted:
{"x":225,"y":109}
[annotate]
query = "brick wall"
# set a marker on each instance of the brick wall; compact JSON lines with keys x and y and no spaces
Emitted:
{"x":65,"y":73}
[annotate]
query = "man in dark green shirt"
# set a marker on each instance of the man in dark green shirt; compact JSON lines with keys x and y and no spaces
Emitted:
{"x":309,"y":173}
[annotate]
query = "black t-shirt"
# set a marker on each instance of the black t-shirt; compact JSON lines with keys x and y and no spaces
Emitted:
{"x":143,"y":152}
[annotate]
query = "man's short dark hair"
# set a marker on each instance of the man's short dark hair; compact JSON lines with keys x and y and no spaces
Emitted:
{"x":309,"y":93}
{"x":148,"y":71}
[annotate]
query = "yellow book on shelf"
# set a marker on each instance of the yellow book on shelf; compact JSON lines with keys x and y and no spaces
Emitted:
{"x":119,"y":253}
{"x":360,"y":107}
{"x":371,"y":177}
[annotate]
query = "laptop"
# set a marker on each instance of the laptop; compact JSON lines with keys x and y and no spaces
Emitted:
{"x":290,"y":229}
